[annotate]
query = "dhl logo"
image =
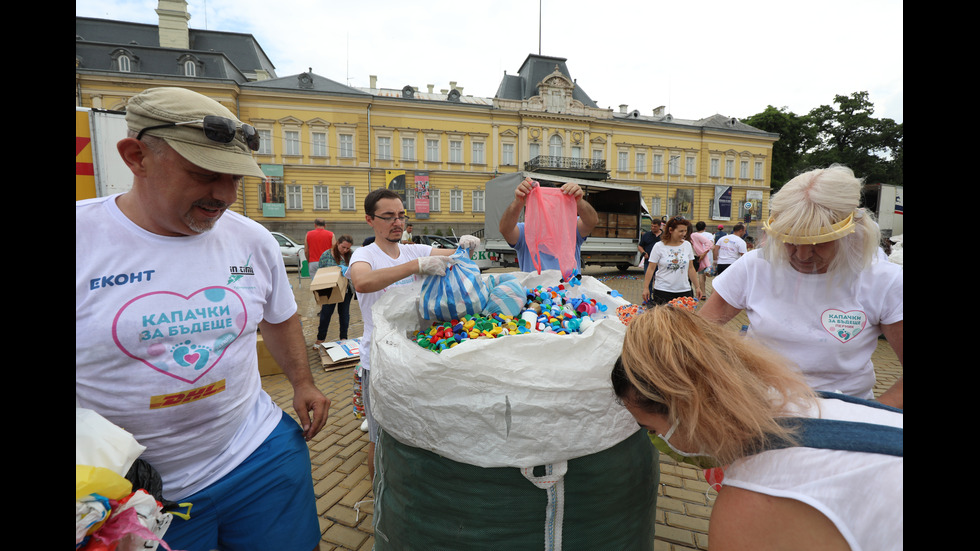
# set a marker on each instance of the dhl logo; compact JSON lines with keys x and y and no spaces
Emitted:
{"x":83,"y":164}
{"x":178,"y":398}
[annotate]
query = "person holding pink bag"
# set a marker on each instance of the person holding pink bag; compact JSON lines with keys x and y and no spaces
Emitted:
{"x":536,"y":241}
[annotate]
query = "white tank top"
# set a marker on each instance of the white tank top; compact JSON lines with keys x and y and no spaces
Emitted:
{"x":861,"y":493}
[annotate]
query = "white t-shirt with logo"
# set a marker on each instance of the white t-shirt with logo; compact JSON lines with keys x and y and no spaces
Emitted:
{"x":378,"y":259}
{"x":827,"y":328}
{"x":165,"y":338}
{"x":730,"y":248}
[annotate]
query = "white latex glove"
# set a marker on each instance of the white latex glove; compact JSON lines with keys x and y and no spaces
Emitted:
{"x":469,"y":242}
{"x":434,"y":264}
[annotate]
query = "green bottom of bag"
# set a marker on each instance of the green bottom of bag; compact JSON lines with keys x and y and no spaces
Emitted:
{"x":426,"y":502}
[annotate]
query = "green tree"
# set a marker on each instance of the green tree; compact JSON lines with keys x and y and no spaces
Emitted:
{"x":787,"y":152}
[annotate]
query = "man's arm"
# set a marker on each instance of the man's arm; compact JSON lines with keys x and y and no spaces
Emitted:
{"x":508,"y":220}
{"x":368,"y":280}
{"x":288,"y":348}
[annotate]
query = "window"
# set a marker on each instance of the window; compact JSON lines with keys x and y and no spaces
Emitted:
{"x":534,"y":150}
{"x":658,"y":163}
{"x":455,"y":200}
{"x":555,"y":146}
{"x":714,"y":168}
{"x":597,"y":154}
{"x":478,"y":201}
{"x":729,"y":168}
{"x":689,"y":166}
{"x":673,"y":165}
{"x":292,"y":142}
{"x":455,"y":151}
{"x":478,"y":157}
{"x":190,"y":68}
{"x":347,"y":198}
{"x":758,"y":170}
{"x":655,"y":206}
{"x":507,"y":154}
{"x":435,"y":200}
{"x":294,"y":197}
{"x":408,"y":149}
{"x":641,"y":162}
{"x":432,"y":150}
{"x":265,"y":142}
{"x":576,"y":152}
{"x":743,"y":170}
{"x":124,"y":63}
{"x":321,"y":197}
{"x":346,"y":145}
{"x":319,"y":144}
{"x":384,"y":148}
{"x":624,"y":161}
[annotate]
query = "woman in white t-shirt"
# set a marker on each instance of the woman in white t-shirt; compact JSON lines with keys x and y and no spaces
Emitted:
{"x":816,"y":291}
{"x":671,"y":265}
{"x":716,"y":396}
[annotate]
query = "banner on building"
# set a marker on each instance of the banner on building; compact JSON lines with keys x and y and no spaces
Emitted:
{"x":273,"y":192}
{"x":723,"y":203}
{"x":395,"y":181}
{"x":421,"y":195}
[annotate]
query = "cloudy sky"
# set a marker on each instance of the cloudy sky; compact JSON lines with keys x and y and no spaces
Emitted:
{"x":696,"y":58}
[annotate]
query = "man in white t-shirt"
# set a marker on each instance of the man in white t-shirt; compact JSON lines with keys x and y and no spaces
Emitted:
{"x":170,"y":289}
{"x":730,"y":247}
{"x":385,"y":263}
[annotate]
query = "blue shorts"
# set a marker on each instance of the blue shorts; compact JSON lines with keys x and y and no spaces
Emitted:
{"x":267,"y":502}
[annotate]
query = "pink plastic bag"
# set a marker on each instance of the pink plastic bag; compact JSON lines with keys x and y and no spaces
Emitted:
{"x":550,"y":222}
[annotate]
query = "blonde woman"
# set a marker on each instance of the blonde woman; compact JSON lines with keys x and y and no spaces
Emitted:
{"x":716,"y":394}
{"x":817,"y":290}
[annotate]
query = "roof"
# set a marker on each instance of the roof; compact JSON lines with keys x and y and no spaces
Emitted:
{"x":235,"y":56}
{"x":306,"y":82}
{"x":524,"y":85}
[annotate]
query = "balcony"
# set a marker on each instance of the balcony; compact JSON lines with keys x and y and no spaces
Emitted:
{"x":586,"y":169}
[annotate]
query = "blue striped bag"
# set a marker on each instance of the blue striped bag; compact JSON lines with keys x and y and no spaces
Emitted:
{"x":507,"y":296}
{"x":462,"y":291}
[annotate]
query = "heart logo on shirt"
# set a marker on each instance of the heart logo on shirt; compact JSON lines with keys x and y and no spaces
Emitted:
{"x":844,"y":326}
{"x":177,"y":335}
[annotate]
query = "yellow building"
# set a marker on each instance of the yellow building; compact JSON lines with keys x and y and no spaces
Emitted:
{"x":326,"y":145}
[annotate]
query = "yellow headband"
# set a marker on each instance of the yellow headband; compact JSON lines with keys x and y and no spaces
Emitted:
{"x":838,"y":230}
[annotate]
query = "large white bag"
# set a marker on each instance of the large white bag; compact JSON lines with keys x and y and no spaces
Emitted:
{"x":517,"y":401}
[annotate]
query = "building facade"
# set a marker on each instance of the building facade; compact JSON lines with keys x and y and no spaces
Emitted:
{"x":325,"y":145}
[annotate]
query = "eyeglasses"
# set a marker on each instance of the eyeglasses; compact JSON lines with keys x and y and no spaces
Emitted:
{"x":219,"y":129}
{"x":390,"y":219}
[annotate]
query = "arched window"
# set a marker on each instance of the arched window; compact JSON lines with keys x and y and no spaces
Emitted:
{"x":124,"y":64}
{"x":555,"y":146}
{"x":190,"y":68}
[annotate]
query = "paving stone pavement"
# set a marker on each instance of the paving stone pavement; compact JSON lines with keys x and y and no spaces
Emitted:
{"x":339,"y":452}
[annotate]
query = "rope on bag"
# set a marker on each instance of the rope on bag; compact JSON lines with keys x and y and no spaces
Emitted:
{"x":553,"y":482}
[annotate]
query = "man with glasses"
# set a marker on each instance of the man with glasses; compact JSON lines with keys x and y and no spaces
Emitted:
{"x":170,"y":290}
{"x":385,"y":263}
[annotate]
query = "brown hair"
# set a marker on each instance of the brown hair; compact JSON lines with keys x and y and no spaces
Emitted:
{"x":726,"y":389}
{"x":336,"y":251}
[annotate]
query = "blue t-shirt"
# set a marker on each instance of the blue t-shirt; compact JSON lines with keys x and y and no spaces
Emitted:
{"x":548,"y":262}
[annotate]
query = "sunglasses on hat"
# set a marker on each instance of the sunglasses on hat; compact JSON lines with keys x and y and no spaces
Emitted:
{"x":218,"y":129}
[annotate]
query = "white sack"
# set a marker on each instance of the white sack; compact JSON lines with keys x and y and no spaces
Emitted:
{"x":516,"y":401}
{"x":99,"y":443}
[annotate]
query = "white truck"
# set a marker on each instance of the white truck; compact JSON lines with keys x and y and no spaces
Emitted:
{"x":885,"y":201}
{"x":99,"y":170}
{"x":614,"y":240}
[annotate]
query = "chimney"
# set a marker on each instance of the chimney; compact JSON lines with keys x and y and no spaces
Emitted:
{"x":374,"y":81}
{"x":659,"y":111}
{"x":622,"y":107}
{"x":430,"y":86}
{"x":173,"y":24}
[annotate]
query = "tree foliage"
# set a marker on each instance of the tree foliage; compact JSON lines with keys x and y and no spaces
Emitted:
{"x":845,"y":132}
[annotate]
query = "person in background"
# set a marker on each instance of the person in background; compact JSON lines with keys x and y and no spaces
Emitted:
{"x":729,"y":248}
{"x":817,"y":290}
{"x":407,"y":235}
{"x":318,"y":240}
{"x":703,"y":243}
{"x":647,"y":241}
{"x":513,"y":231}
{"x":671,"y":271}
{"x":720,"y":233}
{"x":719,"y":397}
{"x":338,"y":255}
{"x":171,"y":288}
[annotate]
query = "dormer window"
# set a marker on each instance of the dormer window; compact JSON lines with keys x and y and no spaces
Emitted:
{"x":124,"y":61}
{"x":190,"y":68}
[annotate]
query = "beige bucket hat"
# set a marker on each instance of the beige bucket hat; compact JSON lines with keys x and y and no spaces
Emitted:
{"x":160,"y":106}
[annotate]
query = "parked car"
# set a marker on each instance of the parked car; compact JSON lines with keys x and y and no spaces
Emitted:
{"x":292,"y":252}
{"x":437,"y":241}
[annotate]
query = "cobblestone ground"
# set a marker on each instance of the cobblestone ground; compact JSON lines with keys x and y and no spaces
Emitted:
{"x":339,"y":452}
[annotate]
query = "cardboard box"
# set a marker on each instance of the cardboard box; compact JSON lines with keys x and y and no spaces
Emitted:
{"x":329,"y":286}
{"x":267,"y":366}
